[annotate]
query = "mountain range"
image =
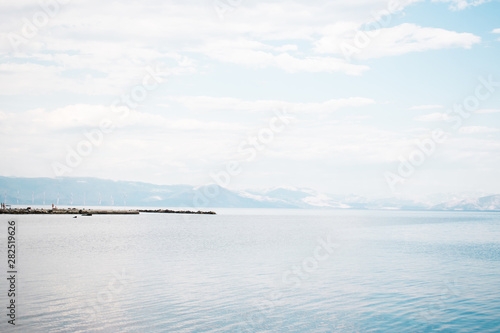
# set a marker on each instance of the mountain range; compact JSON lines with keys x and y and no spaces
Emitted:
{"x":96,"y":192}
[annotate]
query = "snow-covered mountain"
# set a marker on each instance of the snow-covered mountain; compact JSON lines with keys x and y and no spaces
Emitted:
{"x":94,"y":192}
{"x":296,"y":197}
{"x":487,"y":203}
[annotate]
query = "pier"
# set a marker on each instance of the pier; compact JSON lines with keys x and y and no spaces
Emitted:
{"x":89,"y":212}
{"x":169,"y":211}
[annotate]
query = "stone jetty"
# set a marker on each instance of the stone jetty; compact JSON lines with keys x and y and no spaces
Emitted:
{"x":169,"y":211}
{"x":88,"y":212}
{"x":72,"y":211}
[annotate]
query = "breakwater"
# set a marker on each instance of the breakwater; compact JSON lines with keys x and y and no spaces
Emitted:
{"x":87,"y":212}
{"x":72,"y":211}
{"x":169,"y":211}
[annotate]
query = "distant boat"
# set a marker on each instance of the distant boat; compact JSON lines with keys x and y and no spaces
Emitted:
{"x":87,"y":214}
{"x":75,"y":217}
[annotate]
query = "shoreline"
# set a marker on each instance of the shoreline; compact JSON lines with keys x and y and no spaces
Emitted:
{"x":88,"y":212}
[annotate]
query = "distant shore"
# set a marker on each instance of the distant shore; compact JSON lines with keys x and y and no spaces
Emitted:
{"x":87,"y":212}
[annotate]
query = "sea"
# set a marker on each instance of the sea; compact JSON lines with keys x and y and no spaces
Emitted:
{"x":255,"y":270}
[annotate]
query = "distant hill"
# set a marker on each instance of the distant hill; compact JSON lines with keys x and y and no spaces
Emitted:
{"x":487,"y":203}
{"x":95,"y":192}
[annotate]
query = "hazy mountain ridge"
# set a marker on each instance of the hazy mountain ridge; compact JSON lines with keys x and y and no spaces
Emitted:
{"x":95,"y":192}
{"x":487,"y":203}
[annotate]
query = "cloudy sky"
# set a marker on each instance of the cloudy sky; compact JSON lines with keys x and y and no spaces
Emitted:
{"x":358,"y":96}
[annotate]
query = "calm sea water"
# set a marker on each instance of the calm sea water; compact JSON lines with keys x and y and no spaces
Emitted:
{"x":258,"y":271}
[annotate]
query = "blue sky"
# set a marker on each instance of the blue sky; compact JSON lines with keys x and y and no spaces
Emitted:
{"x":187,"y":86}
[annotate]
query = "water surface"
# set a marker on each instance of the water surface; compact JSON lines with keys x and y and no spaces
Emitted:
{"x":259,"y":271}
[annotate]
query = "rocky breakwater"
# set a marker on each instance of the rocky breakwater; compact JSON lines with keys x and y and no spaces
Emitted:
{"x":72,"y":211}
{"x":169,"y":211}
{"x":88,"y":212}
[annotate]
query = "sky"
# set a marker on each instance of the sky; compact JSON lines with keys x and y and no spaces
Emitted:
{"x":361,"y":97}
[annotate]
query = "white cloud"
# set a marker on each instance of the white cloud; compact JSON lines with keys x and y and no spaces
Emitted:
{"x":226,"y":103}
{"x":112,"y":49}
{"x":496,"y":31}
{"x":83,"y":117}
{"x":41,"y":74}
{"x":426,"y":107}
{"x":181,"y":149}
{"x":470,"y":149}
{"x":463,"y":4}
{"x":317,"y":64}
{"x":343,"y":143}
{"x":287,"y":48}
{"x":106,"y":41}
{"x":259,"y":55}
{"x":477,"y":130}
{"x":138,"y":141}
{"x":433,"y":117}
{"x":488,"y":111}
{"x":398,"y":40}
{"x":115,"y":39}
